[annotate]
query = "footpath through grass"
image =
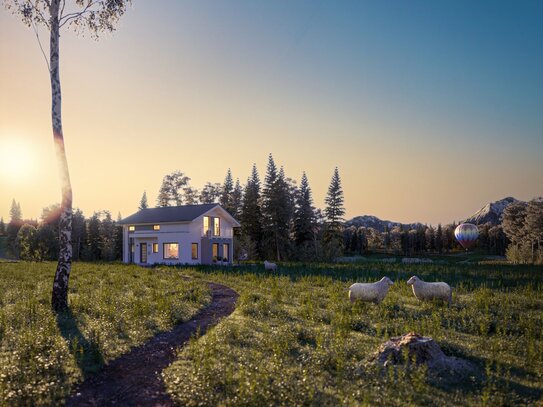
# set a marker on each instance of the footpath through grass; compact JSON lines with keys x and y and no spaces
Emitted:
{"x":295,"y":339}
{"x":113,"y":308}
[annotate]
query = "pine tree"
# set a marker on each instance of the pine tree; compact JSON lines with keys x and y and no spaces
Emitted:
{"x":439,"y":239}
{"x":275,"y":212}
{"x":12,"y":229}
{"x":143,"y":201}
{"x":251,"y":215}
{"x":237,"y":196}
{"x":2,"y":227}
{"x":334,"y":211}
{"x":15,"y":212}
{"x":304,"y":214}
{"x":226,"y":193}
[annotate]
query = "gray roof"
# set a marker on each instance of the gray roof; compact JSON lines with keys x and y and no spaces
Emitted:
{"x":185,"y":213}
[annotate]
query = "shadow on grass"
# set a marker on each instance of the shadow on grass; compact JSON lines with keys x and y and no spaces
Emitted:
{"x":86,"y":350}
{"x":507,"y":380}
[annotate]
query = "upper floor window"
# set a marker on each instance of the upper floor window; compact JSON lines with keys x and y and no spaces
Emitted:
{"x":216,"y":226}
{"x":156,"y":227}
{"x":207,"y":225}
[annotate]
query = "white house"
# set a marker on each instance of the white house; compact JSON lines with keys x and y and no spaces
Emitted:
{"x":189,"y":234}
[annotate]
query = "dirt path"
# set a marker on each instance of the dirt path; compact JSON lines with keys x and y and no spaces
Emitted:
{"x":134,"y":379}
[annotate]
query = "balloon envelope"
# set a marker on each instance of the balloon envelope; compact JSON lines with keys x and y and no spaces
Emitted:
{"x":466,"y":234}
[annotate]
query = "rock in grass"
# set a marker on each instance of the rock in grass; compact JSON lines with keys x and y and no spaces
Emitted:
{"x":414,"y":350}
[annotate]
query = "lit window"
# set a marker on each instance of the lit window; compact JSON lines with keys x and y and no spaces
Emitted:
{"x":131,"y":228}
{"x":194,"y":251}
{"x":225,"y":251}
{"x":171,"y":251}
{"x":155,"y":247}
{"x":215,"y":251}
{"x":156,"y":227}
{"x":216,"y":226}
{"x":206,"y":225}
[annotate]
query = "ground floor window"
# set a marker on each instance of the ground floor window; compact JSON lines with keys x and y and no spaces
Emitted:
{"x":215,"y":251}
{"x":194,"y":251}
{"x":171,"y":251}
{"x":225,"y":251}
{"x":155,"y":247}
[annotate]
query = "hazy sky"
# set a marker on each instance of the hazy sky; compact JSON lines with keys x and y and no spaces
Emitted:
{"x":430,"y":109}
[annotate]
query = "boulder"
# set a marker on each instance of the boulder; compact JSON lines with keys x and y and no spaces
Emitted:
{"x":414,"y":349}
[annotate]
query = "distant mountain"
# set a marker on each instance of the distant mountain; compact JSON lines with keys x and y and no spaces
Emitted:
{"x":491,"y":212}
{"x":374,"y":222}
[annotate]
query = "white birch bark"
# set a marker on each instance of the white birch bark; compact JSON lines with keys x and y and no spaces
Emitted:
{"x":60,"y":285}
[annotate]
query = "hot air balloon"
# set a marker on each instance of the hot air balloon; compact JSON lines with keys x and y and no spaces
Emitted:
{"x":466,"y":234}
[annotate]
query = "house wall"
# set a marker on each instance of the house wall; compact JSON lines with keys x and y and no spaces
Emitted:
{"x":182,"y":233}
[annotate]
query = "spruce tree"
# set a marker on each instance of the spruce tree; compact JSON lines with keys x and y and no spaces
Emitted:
{"x":143,"y":201}
{"x":304,"y":214}
{"x":275,"y":212}
{"x":15,"y":212}
{"x":237,"y":196}
{"x":439,"y":239}
{"x":334,"y":211}
{"x":2,"y":227}
{"x":226,"y":193}
{"x":251,"y":215}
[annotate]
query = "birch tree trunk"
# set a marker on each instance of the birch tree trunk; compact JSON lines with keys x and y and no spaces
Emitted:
{"x":60,"y":285}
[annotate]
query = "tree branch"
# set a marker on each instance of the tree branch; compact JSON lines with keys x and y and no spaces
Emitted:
{"x":41,"y":48}
{"x":72,"y":16}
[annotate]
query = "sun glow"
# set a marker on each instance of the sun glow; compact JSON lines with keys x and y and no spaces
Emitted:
{"x":17,"y":160}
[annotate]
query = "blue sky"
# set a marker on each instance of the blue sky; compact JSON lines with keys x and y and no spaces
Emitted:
{"x":430,"y":109}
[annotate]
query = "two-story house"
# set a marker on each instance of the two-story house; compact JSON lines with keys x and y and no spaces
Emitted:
{"x":189,"y":234}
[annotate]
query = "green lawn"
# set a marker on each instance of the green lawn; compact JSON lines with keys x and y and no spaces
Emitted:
{"x":113,"y":308}
{"x":295,"y":339}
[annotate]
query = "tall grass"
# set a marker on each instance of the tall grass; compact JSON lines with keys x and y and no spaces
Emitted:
{"x":295,"y":339}
{"x":112,"y":308}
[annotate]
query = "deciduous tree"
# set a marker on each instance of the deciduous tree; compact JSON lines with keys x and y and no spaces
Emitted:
{"x":94,"y":16}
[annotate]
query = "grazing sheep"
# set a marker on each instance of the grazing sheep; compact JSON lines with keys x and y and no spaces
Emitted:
{"x":270,"y":266}
{"x":430,"y":291}
{"x":370,"y":292}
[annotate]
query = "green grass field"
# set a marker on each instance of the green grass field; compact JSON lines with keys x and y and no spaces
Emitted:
{"x":295,"y":339}
{"x":113,"y":308}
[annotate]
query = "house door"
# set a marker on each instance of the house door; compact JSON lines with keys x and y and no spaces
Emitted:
{"x":143,"y":252}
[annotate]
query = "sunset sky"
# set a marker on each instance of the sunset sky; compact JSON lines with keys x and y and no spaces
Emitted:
{"x":430,"y":109}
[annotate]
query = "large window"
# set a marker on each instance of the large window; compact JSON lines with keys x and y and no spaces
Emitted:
{"x":226,"y":252}
{"x":194,"y":251}
{"x":171,"y":251}
{"x":207,"y":225}
{"x":216,"y":226}
{"x":215,"y":251}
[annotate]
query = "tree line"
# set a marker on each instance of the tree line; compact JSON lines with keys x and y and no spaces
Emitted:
{"x":278,"y":218}
{"x":96,"y":238}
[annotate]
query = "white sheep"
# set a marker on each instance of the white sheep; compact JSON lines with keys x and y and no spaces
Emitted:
{"x":370,"y":292}
{"x":430,"y":291}
{"x":270,"y":266}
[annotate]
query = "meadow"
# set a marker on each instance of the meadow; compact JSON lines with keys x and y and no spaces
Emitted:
{"x":112,"y":308}
{"x":295,"y":339}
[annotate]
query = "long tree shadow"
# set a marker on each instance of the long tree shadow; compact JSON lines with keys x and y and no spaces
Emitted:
{"x":86,"y":351}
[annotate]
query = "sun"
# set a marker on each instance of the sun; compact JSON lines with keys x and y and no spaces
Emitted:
{"x":17,"y":160}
